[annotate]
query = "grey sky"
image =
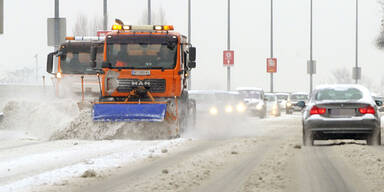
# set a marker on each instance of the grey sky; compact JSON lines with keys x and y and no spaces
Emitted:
{"x":25,"y":36}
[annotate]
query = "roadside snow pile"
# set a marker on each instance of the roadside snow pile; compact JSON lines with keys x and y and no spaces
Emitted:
{"x":62,"y":119}
{"x":83,"y":127}
{"x":36,"y":118}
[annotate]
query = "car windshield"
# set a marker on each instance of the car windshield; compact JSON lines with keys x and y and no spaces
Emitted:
{"x":282,"y":97}
{"x":77,"y":61}
{"x":339,"y":94}
{"x":299,"y":97}
{"x":270,"y":98}
{"x":250,"y":94}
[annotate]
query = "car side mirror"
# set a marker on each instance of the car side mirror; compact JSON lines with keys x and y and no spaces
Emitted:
{"x":50,"y":62}
{"x":300,"y":104}
{"x":192,"y":53}
{"x":379,"y":103}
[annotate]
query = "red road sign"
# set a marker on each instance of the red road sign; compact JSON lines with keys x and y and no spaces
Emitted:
{"x":228,"y":58}
{"x":271,"y":65}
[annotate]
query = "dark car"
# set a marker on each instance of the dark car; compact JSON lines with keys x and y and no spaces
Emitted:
{"x":291,"y":104}
{"x":341,"y":112}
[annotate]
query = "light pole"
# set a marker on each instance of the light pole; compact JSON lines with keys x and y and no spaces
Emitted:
{"x":57,"y":25}
{"x":37,"y":67}
{"x":189,"y":40}
{"x":310,"y":52}
{"x":229,"y":45}
{"x":271,"y":74}
{"x":357,"y":70}
{"x":105,"y":13}
{"x":149,"y":12}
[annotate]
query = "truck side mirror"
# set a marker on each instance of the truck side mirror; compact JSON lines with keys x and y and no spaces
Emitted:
{"x":192,"y":64}
{"x":192,"y":53}
{"x":93,"y":55}
{"x":50,"y":62}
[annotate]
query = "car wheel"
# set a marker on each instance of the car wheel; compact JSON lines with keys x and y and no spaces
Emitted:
{"x":374,"y":138}
{"x":307,"y":138}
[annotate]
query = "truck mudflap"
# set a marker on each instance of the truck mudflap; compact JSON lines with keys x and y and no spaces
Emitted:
{"x":131,"y":112}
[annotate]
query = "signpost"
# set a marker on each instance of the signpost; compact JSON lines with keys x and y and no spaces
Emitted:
{"x":271,"y":65}
{"x":228,"y":58}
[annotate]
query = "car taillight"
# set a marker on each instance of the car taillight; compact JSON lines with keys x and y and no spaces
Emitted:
{"x":317,"y":111}
{"x":367,"y":110}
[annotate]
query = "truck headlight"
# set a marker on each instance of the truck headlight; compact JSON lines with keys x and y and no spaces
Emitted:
{"x":228,"y":109}
{"x":259,"y":106}
{"x":289,"y":104}
{"x":58,"y":75}
{"x":213,"y":111}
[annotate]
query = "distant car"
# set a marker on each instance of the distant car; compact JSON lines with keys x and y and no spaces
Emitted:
{"x":254,"y":100}
{"x":218,"y":103}
{"x":282,"y":99}
{"x":381,"y":99}
{"x":273,"y":107}
{"x":341,"y":112}
{"x":293,"y":99}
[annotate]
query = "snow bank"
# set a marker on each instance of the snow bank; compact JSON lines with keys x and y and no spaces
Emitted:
{"x":62,"y":119}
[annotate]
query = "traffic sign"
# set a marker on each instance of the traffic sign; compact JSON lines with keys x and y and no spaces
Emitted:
{"x":271,"y":65}
{"x":356,"y":73}
{"x":62,"y":31}
{"x":228,"y":58}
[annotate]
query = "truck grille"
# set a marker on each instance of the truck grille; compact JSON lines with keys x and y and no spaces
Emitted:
{"x":154,"y":85}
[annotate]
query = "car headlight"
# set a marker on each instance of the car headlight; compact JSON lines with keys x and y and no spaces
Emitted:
{"x":289,"y":104}
{"x":241,"y":107}
{"x":58,"y":75}
{"x":213,"y":111}
{"x":259,"y":106}
{"x":228,"y":109}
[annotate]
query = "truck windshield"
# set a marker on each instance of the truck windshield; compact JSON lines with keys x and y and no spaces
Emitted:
{"x":142,"y":55}
{"x":77,"y":61}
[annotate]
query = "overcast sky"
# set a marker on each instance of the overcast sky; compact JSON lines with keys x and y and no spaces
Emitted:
{"x":25,"y":35}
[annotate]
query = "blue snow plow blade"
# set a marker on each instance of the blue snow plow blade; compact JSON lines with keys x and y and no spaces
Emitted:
{"x":129,"y":112}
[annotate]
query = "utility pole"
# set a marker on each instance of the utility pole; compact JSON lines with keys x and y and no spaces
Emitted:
{"x":105,"y":13}
{"x":57,"y":25}
{"x":189,"y":40}
{"x":271,"y":43}
{"x":229,"y":45}
{"x":357,"y":71}
{"x":149,"y":12}
{"x":311,"y":49}
{"x":37,"y":67}
{"x":1,"y":16}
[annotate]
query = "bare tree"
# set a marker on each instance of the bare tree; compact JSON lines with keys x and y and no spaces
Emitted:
{"x":158,"y":18}
{"x":87,"y":27}
{"x":341,"y":75}
{"x":380,"y":38}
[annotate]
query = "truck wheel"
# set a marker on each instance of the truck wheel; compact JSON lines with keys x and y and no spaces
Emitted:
{"x":307,"y":138}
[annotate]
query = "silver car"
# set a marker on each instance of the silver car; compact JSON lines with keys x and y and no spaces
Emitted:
{"x":341,"y":112}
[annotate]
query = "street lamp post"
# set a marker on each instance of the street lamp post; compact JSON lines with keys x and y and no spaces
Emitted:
{"x":271,"y":74}
{"x":229,"y":45}
{"x":105,"y":13}
{"x":357,"y":70}
{"x":189,"y":40}
{"x":149,"y":12}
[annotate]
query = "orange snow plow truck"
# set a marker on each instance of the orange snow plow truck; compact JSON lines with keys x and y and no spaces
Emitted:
{"x":144,"y":75}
